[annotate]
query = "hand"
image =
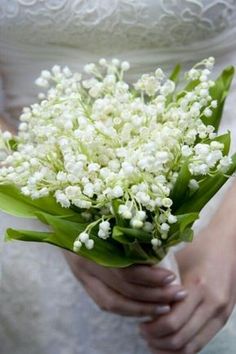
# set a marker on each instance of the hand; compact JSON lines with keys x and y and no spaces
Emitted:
{"x":208,"y":269}
{"x":134,"y":291}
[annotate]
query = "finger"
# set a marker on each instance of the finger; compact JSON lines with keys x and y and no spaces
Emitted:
{"x":111,"y":301}
{"x":177,"y":318}
{"x":182,"y":337}
{"x":150,"y":276}
{"x":204,"y":336}
{"x":165,"y":295}
{"x":112,"y":279}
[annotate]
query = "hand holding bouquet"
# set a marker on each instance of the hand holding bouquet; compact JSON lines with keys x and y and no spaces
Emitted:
{"x":118,"y":173}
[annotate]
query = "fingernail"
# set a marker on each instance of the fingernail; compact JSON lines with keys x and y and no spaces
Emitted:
{"x":162,"y":309}
{"x":180,"y":295}
{"x":168,"y":279}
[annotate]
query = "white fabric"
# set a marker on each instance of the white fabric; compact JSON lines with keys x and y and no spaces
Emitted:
{"x":43,"y":310}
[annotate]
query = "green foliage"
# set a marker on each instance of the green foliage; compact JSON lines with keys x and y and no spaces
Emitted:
{"x":13,"y":202}
{"x":127,"y":245}
{"x":208,"y":188}
{"x":220,"y":92}
{"x":180,"y":189}
{"x":174,"y":76}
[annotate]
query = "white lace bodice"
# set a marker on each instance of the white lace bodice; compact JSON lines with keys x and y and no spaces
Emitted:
{"x":35,"y":34}
{"x":43,"y":309}
{"x":116,"y":25}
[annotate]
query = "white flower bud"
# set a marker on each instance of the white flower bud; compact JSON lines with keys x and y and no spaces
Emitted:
{"x":125,"y":212}
{"x":172,"y":219}
{"x":105,"y":226}
{"x":208,"y":112}
{"x":136,"y":223}
{"x":103,"y":62}
{"x":167,"y":202}
{"x":117,"y":192}
{"x":140,"y":215}
{"x":116,"y":62}
{"x":45,"y":74}
{"x":148,"y":226}
{"x":186,"y":151}
{"x":214,"y":104}
{"x":6,"y":135}
{"x":83,"y":237}
{"x":155,"y":242}
{"x":165,"y":227}
{"x":89,"y":244}
{"x":41,"y":82}
{"x":193,"y":184}
{"x":66,"y":71}
{"x":125,"y":65}
{"x":77,"y":245}
{"x":89,"y":68}
{"x":103,"y":235}
{"x":56,"y":69}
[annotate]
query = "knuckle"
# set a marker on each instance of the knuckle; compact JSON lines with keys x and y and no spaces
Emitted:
{"x":107,"y":305}
{"x":201,"y":283}
{"x":221,"y":303}
{"x":176,"y":342}
{"x":171,"y":324}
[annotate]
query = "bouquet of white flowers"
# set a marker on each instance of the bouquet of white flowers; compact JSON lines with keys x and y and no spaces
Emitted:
{"x":119,"y":173}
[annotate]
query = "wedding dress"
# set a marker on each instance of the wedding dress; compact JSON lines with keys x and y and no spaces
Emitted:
{"x":43,"y":308}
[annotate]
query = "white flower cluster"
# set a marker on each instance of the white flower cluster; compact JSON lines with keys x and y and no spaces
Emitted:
{"x":90,"y":141}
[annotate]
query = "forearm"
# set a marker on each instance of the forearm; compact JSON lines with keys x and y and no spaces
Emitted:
{"x":218,"y":239}
{"x":224,"y":221}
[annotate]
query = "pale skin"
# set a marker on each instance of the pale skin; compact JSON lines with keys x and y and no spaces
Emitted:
{"x":208,"y":269}
{"x":134,"y":291}
{"x":187,"y":317}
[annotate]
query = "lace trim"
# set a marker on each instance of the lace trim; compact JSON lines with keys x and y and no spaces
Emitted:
{"x":132,"y":23}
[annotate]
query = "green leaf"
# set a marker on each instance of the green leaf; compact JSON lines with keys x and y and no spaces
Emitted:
{"x":135,"y":250}
{"x":189,"y":87}
{"x":174,"y":76}
{"x":208,"y":188}
{"x":115,"y":206}
{"x":181,"y":231}
{"x":224,"y":139}
{"x":186,"y":220}
{"x":180,"y":189}
{"x":187,"y":235}
{"x":105,"y":252}
{"x":35,"y":236}
{"x":27,"y":235}
{"x":120,"y":236}
{"x":13,"y":143}
{"x":220,"y":92}
{"x":13,"y":202}
{"x":130,"y":235}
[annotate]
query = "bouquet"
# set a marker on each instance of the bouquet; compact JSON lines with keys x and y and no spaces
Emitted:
{"x":119,"y":173}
